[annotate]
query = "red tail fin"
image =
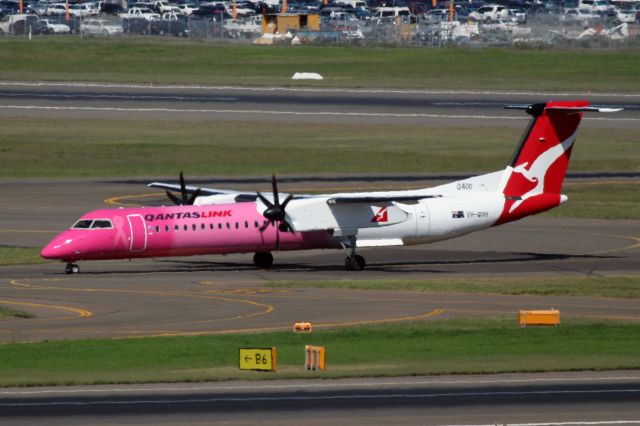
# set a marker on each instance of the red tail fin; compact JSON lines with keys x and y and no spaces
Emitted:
{"x":535,"y":175}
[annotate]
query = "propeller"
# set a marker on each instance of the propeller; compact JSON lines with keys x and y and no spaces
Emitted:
{"x":185,"y":199}
{"x":275,"y":211}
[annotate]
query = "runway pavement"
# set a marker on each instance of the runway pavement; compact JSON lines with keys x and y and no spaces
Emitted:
{"x":602,"y":398}
{"x":447,"y":108}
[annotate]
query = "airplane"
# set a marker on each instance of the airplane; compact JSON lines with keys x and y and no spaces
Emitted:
{"x":212,"y":221}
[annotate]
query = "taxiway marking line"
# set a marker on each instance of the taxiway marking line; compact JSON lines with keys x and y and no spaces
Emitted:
{"x":226,"y":399}
{"x":304,"y":89}
{"x":430,"y":314}
{"x":266,"y":307}
{"x":83,"y":313}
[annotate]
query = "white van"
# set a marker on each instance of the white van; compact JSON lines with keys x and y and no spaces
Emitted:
{"x":490,"y":12}
{"x":391,"y":12}
{"x":356,"y":4}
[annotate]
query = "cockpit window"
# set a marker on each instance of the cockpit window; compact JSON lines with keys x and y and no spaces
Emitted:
{"x":82,"y":224}
{"x":101,"y":223}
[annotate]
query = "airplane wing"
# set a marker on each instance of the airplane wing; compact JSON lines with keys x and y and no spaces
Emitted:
{"x":372,"y":199}
{"x":191,"y":189}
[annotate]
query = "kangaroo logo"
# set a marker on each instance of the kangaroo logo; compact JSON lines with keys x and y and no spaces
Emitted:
{"x":538,"y":170}
{"x":382,"y":216}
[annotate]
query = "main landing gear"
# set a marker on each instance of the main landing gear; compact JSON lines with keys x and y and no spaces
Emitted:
{"x":263,"y":260}
{"x":72,"y":268}
{"x":353,"y":261}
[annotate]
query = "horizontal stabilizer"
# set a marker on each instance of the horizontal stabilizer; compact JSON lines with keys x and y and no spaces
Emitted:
{"x":538,"y":108}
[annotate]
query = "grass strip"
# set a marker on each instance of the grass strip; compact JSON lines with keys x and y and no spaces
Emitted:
{"x":7,"y":313}
{"x":618,"y":286}
{"x":156,"y":60}
{"x":463,"y":346}
{"x":20,"y":256}
{"x":75,"y":148}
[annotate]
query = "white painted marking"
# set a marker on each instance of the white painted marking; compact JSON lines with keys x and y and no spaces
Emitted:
{"x":233,"y":111}
{"x":123,"y":96}
{"x":299,"y":113}
{"x":309,"y":89}
{"x":224,"y":399}
{"x":322,"y":385}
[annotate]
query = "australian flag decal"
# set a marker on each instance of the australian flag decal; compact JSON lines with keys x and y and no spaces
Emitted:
{"x":457,"y":214}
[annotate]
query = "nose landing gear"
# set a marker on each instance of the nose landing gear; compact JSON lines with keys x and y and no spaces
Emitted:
{"x":72,"y":268}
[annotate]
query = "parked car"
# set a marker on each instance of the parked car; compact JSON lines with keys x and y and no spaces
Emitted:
{"x":578,"y":17}
{"x":99,"y":27}
{"x":170,"y":24}
{"x":140,"y":12}
{"x":624,"y":16}
{"x":52,"y":27}
{"x":243,"y":28}
{"x":58,"y":9}
{"x":490,"y":12}
{"x":140,"y":26}
{"x":187,"y":8}
{"x":21,"y":24}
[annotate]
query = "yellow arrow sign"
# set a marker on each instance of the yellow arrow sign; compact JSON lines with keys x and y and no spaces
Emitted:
{"x":262,"y":359}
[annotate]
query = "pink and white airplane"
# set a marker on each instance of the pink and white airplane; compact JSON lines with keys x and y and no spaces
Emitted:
{"x":210,"y":221}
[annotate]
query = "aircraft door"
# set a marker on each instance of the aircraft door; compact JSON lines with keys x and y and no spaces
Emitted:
{"x":138,"y":233}
{"x":422,"y":220}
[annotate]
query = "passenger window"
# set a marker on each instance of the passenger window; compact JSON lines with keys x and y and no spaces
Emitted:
{"x":228,"y":225}
{"x":186,"y":228}
{"x":237,"y":225}
{"x":211,"y":226}
{"x":193,"y":226}
{"x":82,"y":224}
{"x":202,"y":226}
{"x":256,"y":224}
{"x":157,"y":229}
{"x":166,"y":228}
{"x":101,"y":223}
{"x":177,"y":228}
{"x":220,"y":226}
{"x":246,"y":224}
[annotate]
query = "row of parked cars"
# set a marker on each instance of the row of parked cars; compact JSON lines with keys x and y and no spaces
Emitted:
{"x":164,"y":17}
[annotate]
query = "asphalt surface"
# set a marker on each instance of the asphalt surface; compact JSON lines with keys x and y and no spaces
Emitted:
{"x":604,"y":398}
{"x":226,"y":294}
{"x":447,"y":108}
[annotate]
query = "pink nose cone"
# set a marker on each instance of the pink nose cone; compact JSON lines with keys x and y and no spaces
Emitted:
{"x":58,"y":248}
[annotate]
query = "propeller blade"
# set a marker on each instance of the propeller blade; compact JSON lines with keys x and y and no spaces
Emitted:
{"x":183,"y":190}
{"x":274,"y":187}
{"x":175,"y":199}
{"x":265,"y":201}
{"x":286,"y":201}
{"x":195,"y":195}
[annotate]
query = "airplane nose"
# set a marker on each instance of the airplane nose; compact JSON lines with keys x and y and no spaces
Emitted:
{"x":59,"y":248}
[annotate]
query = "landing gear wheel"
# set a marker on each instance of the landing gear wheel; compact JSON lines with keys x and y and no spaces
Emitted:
{"x":354,"y":263}
{"x":72,"y":268}
{"x":263,"y":260}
